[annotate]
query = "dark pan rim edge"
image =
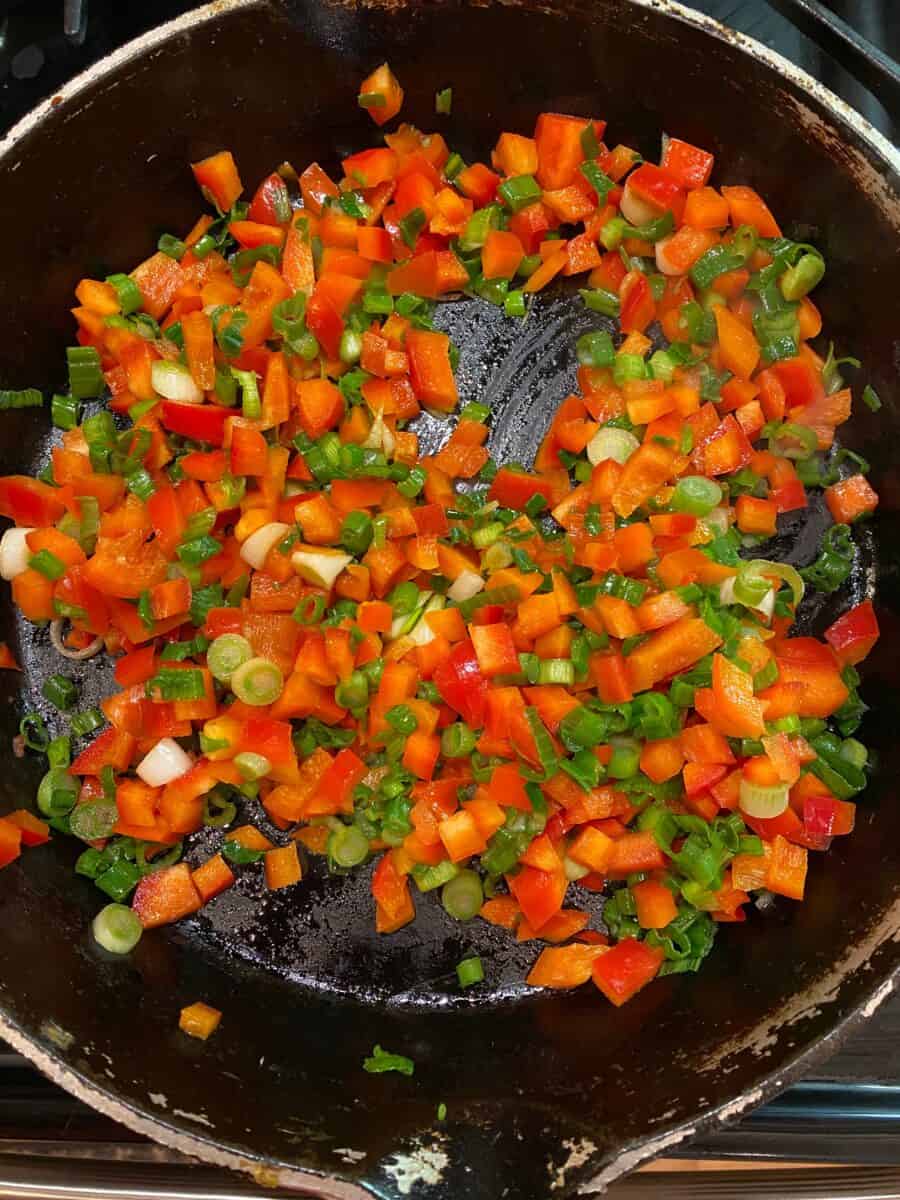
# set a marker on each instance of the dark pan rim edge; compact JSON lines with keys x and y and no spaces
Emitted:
{"x":331,"y":1187}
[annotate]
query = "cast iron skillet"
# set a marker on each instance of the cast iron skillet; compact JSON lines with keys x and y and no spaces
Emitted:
{"x":546,"y":1094}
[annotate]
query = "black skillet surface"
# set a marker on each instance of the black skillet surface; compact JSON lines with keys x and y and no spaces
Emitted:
{"x":542,"y":1092}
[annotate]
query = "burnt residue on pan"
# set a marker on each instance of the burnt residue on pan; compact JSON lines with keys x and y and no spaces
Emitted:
{"x":545,"y":1094}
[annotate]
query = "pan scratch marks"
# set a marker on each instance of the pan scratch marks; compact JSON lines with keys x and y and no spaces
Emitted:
{"x":425,"y":1164}
{"x":631,"y":1159}
{"x":580,"y":1152}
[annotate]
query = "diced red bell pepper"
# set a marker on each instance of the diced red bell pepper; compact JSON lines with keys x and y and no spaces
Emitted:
{"x":34,"y":831}
{"x":334,"y":791}
{"x":29,"y":501}
{"x":626,"y":968}
{"x":325,"y":322}
{"x":271,"y":204}
{"x":391,"y":891}
{"x":638,"y":308}
{"x":166,"y":896}
{"x":495,"y":649}
{"x":654,"y":187}
{"x":686,"y":165}
{"x":557,"y":138}
{"x":10,"y":842}
{"x":199,"y":422}
{"x":540,"y":893}
{"x":218,"y":178}
{"x":430,"y":370}
{"x":112,"y":748}
{"x":854,"y":634}
{"x":462,"y":685}
{"x":384,"y":84}
{"x":249,"y":451}
{"x":368,"y":168}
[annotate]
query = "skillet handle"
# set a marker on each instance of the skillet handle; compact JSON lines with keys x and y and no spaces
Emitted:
{"x":868,"y":64}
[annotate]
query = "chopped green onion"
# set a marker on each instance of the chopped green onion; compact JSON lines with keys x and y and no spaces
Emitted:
{"x":226,"y":653}
{"x":601,"y":183}
{"x":479,"y":226}
{"x":625,"y":760}
{"x":173,"y":683}
{"x":584,"y":767}
{"x":119,"y":880}
{"x":309,"y":610}
{"x":257,"y":681}
{"x":600,"y":301}
{"x":27,"y":398}
{"x":696,"y":495}
{"x":86,"y":722}
{"x":462,"y":896}
{"x":57,"y":793}
{"x":238,"y":854}
{"x":514,"y":303}
{"x":556,"y":670}
{"x":93,"y":820}
{"x":127,"y":292}
{"x":371,"y":100}
{"x":715,"y":262}
{"x":457,"y":740}
{"x":85,"y":374}
{"x":171,"y":246}
{"x":412,"y":485}
{"x":117,"y":929}
{"x":758,"y":568}
{"x":595,"y":349}
{"x":64,"y":411}
{"x":59,"y":752}
{"x":402,"y":718}
{"x":60,"y":691}
{"x":871,"y":399}
{"x":411,"y":226}
{"x":613,"y":232}
{"x":761,"y":801}
{"x":519,"y":192}
{"x":198,"y":551}
{"x":443,"y":102}
{"x":47,"y":564}
{"x":802,"y":277}
{"x":628,"y":367}
{"x":348,"y":846}
{"x":470,"y":971}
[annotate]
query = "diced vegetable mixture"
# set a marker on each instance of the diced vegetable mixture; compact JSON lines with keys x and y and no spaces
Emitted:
{"x":508,"y":685}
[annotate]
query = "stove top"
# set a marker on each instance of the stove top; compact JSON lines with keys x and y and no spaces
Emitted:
{"x":847,"y":1113}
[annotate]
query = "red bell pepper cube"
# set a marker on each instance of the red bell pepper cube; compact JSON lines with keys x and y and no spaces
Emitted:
{"x":200,"y":422}
{"x":34,"y":831}
{"x":653,"y":186}
{"x":10,"y":842}
{"x":219,"y":179}
{"x":29,"y":501}
{"x":625,"y":969}
{"x":495,"y":649}
{"x":166,"y":896}
{"x":271,"y":204}
{"x":430,"y":370}
{"x":249,"y":451}
{"x":462,"y":685}
{"x":686,"y":165}
{"x":854,"y":634}
{"x":113,"y":748}
{"x":540,"y":893}
{"x":335,"y":788}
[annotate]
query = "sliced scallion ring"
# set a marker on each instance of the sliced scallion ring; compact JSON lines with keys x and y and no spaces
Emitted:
{"x":257,"y":681}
